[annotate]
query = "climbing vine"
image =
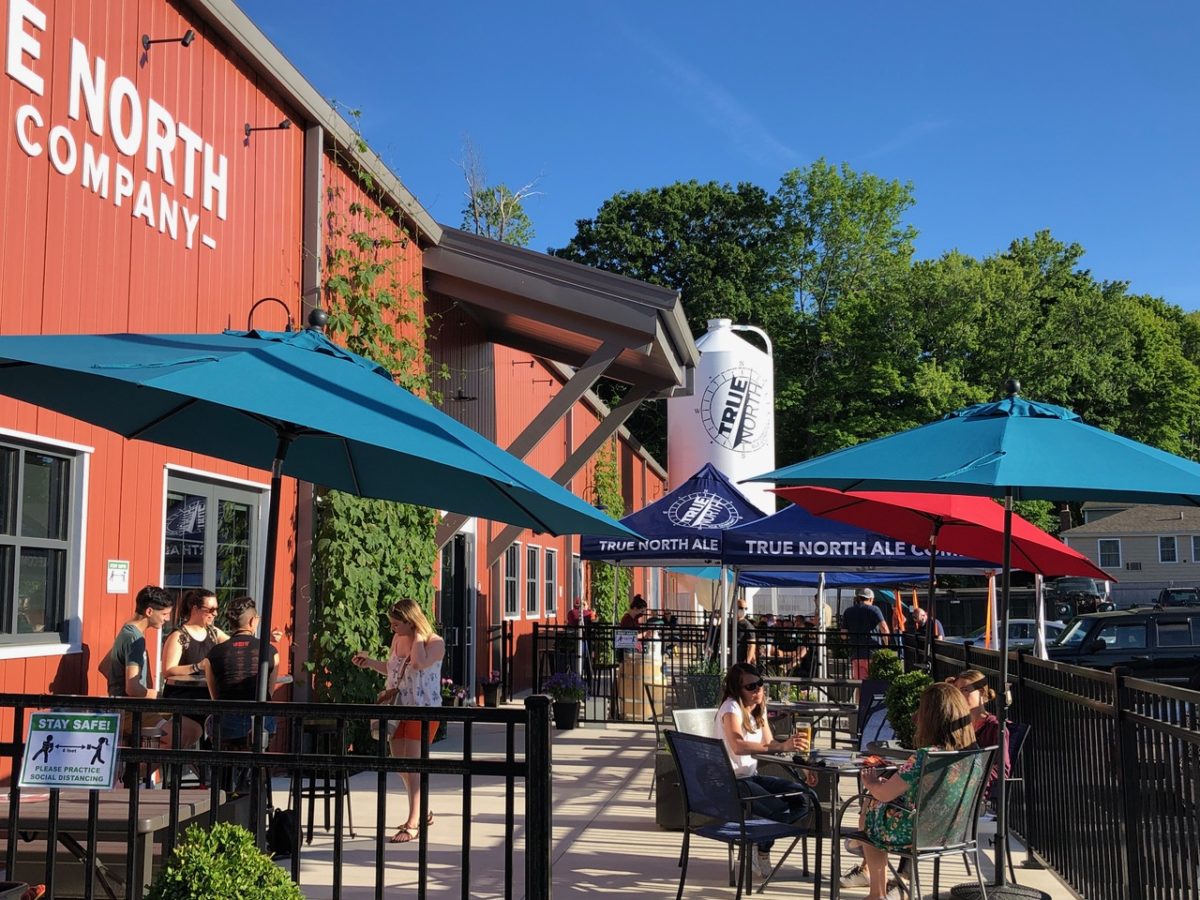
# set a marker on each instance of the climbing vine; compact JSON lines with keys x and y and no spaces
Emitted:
{"x":607,"y":581}
{"x":367,"y":553}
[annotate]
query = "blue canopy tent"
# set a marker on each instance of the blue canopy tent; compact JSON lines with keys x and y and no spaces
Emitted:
{"x":684,"y":528}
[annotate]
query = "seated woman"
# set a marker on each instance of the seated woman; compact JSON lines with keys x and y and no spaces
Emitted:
{"x":943,"y":723}
{"x":978,"y":693}
{"x":742,"y":725}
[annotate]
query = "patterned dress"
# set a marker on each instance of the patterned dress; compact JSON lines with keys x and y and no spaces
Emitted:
{"x":889,"y":826}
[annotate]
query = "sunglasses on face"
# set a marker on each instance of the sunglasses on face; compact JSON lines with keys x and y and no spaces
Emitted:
{"x":752,"y":685}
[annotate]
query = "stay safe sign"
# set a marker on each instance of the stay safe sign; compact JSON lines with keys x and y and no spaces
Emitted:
{"x":71,"y":750}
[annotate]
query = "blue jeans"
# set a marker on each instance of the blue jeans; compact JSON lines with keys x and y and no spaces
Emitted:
{"x":765,"y":802}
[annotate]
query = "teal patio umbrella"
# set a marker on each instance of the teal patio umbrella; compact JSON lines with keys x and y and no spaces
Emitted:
{"x":1012,"y":448}
{"x":297,"y":404}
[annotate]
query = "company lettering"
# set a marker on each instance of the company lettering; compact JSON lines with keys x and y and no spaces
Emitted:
{"x":141,"y":130}
{"x":738,"y":418}
{"x":658,"y":545}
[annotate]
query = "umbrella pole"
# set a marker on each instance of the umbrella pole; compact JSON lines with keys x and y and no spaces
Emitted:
{"x":930,"y":624}
{"x":268,"y":595}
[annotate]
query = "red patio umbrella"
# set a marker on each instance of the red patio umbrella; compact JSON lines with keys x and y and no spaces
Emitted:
{"x":946,"y":523}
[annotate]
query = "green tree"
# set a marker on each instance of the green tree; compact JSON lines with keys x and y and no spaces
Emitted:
{"x":494,"y":210}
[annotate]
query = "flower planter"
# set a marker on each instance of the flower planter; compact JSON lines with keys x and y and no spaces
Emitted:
{"x":491,"y":695}
{"x":566,"y":714}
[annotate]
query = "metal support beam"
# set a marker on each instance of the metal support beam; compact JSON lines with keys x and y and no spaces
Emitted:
{"x":604,"y":431}
{"x":572,"y":392}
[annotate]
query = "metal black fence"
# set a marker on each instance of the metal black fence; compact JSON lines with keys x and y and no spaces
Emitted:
{"x":615,"y":676}
{"x":316,"y":738}
{"x":501,"y":648}
{"x":1111,"y":793}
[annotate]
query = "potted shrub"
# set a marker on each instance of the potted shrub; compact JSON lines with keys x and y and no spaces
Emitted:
{"x":885,"y":665}
{"x":902,"y":699}
{"x":705,"y":679}
{"x":566,"y":690}
{"x":221,"y":862}
{"x":491,"y":689}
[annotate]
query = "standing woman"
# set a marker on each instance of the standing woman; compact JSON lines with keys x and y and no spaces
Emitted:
{"x":414,"y":669}
{"x":742,"y":726}
{"x":183,"y":652}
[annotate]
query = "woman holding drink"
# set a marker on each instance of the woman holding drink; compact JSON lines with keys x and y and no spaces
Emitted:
{"x":742,"y":726}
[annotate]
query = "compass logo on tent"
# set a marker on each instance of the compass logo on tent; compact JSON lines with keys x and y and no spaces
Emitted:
{"x":703,"y":509}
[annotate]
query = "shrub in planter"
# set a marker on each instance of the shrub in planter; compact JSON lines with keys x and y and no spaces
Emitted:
{"x":902,"y":699}
{"x":885,"y":665}
{"x":221,"y":863}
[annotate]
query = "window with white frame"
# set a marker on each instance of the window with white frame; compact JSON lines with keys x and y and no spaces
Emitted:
{"x":41,"y":511}
{"x":532,"y":556}
{"x":1109,"y":551}
{"x":551,"y":582}
{"x":512,"y":581}
{"x":1166,"y":549}
{"x":212,"y":537}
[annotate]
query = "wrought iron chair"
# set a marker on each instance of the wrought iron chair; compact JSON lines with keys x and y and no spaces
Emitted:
{"x":714,"y":809}
{"x":950,"y":794}
{"x":1018,"y":734}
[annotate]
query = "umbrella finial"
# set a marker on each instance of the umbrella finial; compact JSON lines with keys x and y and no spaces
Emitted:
{"x":1012,"y":387}
{"x":317,"y":319}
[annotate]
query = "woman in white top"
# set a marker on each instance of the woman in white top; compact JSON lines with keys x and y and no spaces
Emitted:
{"x":742,"y":725}
{"x":414,"y":670}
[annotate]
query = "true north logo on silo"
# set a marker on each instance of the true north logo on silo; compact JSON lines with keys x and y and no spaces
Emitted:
{"x":732,"y":409}
{"x":704,"y":509}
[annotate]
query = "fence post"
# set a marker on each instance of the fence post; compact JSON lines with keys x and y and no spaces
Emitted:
{"x":539,"y":829}
{"x":1126,"y":771}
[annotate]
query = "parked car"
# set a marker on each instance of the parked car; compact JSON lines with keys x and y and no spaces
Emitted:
{"x":1159,"y":644}
{"x":1021,"y":633}
{"x":1068,"y":597}
{"x":1187,"y":596}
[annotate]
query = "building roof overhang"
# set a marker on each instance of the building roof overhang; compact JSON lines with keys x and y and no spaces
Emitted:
{"x":565,"y":311}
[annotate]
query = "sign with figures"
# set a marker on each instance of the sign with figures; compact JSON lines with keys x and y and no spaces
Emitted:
{"x":71,"y":750}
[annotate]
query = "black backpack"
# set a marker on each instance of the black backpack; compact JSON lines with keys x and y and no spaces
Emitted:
{"x":283,"y":832}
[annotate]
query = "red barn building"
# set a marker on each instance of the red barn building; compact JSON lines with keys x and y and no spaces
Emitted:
{"x":153,"y":187}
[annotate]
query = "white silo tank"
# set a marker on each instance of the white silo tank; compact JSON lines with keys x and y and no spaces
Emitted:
{"x":730,"y":419}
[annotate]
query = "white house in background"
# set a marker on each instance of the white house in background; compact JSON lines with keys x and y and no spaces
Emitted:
{"x":1146,"y":548}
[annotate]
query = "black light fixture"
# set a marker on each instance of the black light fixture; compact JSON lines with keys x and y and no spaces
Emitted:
{"x":291,"y":324}
{"x":186,"y":40}
{"x":282,"y":126}
{"x":462,"y":396}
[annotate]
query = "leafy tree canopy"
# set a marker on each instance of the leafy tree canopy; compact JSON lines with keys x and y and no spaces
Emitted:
{"x":869,"y":341}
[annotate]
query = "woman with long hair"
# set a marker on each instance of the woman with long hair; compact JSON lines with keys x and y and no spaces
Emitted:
{"x":943,"y":723}
{"x":975,"y":689}
{"x":185,"y":650}
{"x":413,"y":671}
{"x":743,"y":727}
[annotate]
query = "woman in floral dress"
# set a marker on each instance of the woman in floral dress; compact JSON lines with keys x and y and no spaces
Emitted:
{"x":943,"y":723}
{"x":414,"y":671}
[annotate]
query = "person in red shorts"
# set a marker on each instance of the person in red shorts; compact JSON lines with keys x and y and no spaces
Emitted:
{"x":414,"y":672}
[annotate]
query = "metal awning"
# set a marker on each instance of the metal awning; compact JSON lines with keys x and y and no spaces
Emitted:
{"x":564,"y":311}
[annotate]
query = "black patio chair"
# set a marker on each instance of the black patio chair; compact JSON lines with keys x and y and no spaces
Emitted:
{"x":950,"y":794}
{"x":713,"y":809}
{"x":1018,"y":734}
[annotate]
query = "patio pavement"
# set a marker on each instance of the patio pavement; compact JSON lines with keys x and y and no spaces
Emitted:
{"x":605,"y":837}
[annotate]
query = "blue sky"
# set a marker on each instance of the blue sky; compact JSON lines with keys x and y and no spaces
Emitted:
{"x":1080,"y":117}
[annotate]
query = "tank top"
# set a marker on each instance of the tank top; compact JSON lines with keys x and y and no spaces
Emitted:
{"x":420,"y":687}
{"x":193,"y":650}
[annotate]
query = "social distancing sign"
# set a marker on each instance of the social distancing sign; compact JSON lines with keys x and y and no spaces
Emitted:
{"x":71,"y":750}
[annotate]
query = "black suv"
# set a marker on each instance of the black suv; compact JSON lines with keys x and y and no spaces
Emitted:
{"x":1153,"y":643}
{"x":1188,"y":596}
{"x":1069,"y":597}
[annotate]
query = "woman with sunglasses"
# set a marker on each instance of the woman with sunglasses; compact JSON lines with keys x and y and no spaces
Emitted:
{"x":978,"y":693}
{"x":742,"y":725}
{"x":185,"y":649}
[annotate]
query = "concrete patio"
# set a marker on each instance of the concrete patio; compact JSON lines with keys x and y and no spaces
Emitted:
{"x":605,"y":837}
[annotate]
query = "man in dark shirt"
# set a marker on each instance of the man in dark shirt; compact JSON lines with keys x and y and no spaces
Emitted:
{"x":747,"y":650}
{"x":231,"y":670}
{"x":864,"y":627}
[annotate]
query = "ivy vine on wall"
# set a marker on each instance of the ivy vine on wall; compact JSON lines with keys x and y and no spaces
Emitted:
{"x":609,"y":584}
{"x":367,"y":553}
